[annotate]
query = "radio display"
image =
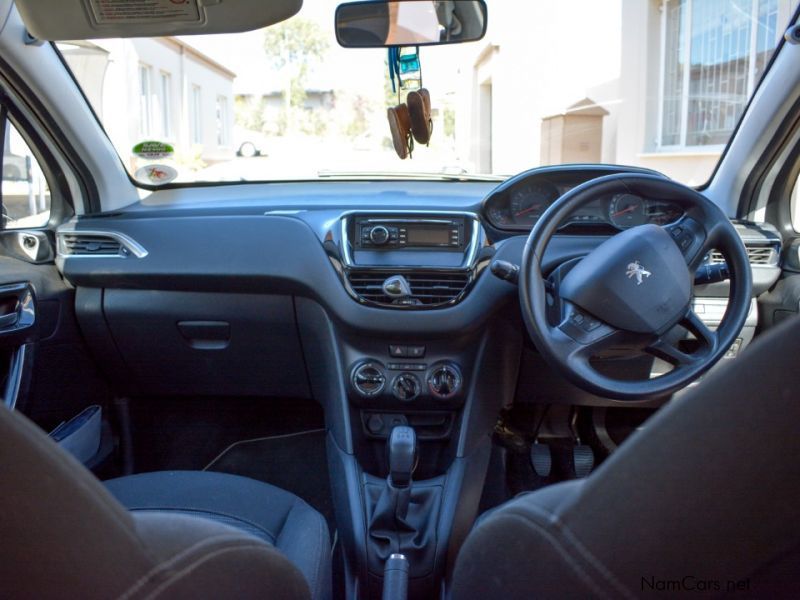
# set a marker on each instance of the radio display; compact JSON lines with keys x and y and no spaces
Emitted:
{"x":428,"y":237}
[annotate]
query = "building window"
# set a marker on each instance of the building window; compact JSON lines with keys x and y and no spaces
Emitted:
{"x":222,"y":120}
{"x":197,"y":115}
{"x":165,"y":97}
{"x":714,"y":52}
{"x":145,"y":100}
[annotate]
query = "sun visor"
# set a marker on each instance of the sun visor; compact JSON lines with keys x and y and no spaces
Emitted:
{"x":87,"y":19}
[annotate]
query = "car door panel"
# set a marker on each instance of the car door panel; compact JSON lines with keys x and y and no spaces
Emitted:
{"x":46,"y":370}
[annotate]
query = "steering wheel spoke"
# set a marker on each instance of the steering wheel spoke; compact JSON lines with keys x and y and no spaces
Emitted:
{"x":665,"y":349}
{"x":695,"y":325}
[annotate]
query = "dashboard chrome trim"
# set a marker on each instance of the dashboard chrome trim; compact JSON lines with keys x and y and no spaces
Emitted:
{"x":135,"y":249}
{"x":469,"y":264}
{"x":415,"y":216}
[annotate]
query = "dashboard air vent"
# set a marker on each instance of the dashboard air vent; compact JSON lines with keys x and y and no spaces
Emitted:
{"x":758,"y":255}
{"x":428,"y":288}
{"x":71,"y":243}
{"x":91,"y":245}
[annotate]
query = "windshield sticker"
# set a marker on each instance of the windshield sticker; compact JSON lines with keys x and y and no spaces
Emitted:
{"x":113,"y":12}
{"x":156,"y":174}
{"x":153,"y":150}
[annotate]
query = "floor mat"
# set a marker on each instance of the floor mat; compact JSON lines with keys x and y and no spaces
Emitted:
{"x":188,"y":433}
{"x":295,"y":462}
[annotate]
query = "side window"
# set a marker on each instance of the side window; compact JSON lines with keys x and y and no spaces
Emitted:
{"x":25,"y":191}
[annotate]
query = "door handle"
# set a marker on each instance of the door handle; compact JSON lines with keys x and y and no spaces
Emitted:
{"x":9,"y":320}
{"x":20,"y":312}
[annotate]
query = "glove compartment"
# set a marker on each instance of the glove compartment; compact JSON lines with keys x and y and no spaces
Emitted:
{"x":204,"y":343}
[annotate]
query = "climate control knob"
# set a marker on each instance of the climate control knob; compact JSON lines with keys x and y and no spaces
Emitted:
{"x":444,"y":381}
{"x":406,"y":387}
{"x":368,"y":379}
{"x":379,"y":235}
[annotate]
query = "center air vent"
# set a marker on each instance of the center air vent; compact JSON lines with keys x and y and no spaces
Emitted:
{"x":97,"y":244}
{"x":428,"y":288}
{"x":758,"y":255}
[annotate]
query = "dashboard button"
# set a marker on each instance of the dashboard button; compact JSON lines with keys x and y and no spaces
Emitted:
{"x":416,"y":351}
{"x":407,"y":367}
{"x":685,"y":241}
{"x":379,"y":235}
{"x":398,"y":351}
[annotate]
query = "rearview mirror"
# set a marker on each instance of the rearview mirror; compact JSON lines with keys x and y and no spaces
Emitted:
{"x":386,"y":23}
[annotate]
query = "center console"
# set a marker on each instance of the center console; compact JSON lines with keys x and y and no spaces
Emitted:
{"x":410,"y":372}
{"x":408,"y":262}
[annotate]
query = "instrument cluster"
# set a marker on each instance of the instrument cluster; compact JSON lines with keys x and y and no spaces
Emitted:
{"x":519,"y":207}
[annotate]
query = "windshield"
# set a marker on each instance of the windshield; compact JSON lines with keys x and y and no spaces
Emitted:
{"x":657,"y":84}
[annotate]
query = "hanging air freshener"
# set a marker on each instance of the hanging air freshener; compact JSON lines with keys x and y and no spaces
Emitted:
{"x":409,"y":120}
{"x":410,"y":70}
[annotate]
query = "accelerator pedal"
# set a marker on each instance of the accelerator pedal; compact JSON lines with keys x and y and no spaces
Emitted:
{"x":582,"y":459}
{"x":541,"y":459}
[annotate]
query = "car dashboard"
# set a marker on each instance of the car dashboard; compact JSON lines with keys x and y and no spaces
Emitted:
{"x":246,"y":279}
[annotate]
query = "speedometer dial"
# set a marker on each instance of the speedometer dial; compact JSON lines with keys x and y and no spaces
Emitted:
{"x":500,"y":215}
{"x":530,"y":201}
{"x":627,"y":210}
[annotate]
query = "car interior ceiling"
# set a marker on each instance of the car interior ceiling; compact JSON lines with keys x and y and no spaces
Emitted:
{"x":392,"y":387}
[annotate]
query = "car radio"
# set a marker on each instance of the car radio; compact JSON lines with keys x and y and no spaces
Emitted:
{"x":395,"y":233}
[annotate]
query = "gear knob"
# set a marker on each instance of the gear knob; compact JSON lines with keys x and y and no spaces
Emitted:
{"x":402,"y":448}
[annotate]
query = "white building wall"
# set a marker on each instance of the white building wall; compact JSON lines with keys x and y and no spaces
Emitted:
{"x":212,"y":86}
{"x":160,"y":58}
{"x":122,"y":113}
{"x":531,"y":78}
{"x":503,"y":134}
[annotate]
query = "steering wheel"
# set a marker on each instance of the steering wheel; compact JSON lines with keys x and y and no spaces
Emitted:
{"x":634,"y":291}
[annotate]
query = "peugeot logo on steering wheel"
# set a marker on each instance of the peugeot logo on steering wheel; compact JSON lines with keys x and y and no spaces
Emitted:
{"x":638,"y":271}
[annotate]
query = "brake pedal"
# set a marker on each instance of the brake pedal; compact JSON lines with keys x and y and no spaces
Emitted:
{"x":582,"y":460}
{"x":541,"y":459}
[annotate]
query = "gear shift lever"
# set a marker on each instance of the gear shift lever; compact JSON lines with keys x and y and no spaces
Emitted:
{"x":402,"y":449}
{"x":402,"y":516}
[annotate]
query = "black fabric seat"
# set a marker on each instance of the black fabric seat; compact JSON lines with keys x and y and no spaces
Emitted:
{"x":271,"y":514}
{"x":186,"y":535}
{"x":704,"y":499}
